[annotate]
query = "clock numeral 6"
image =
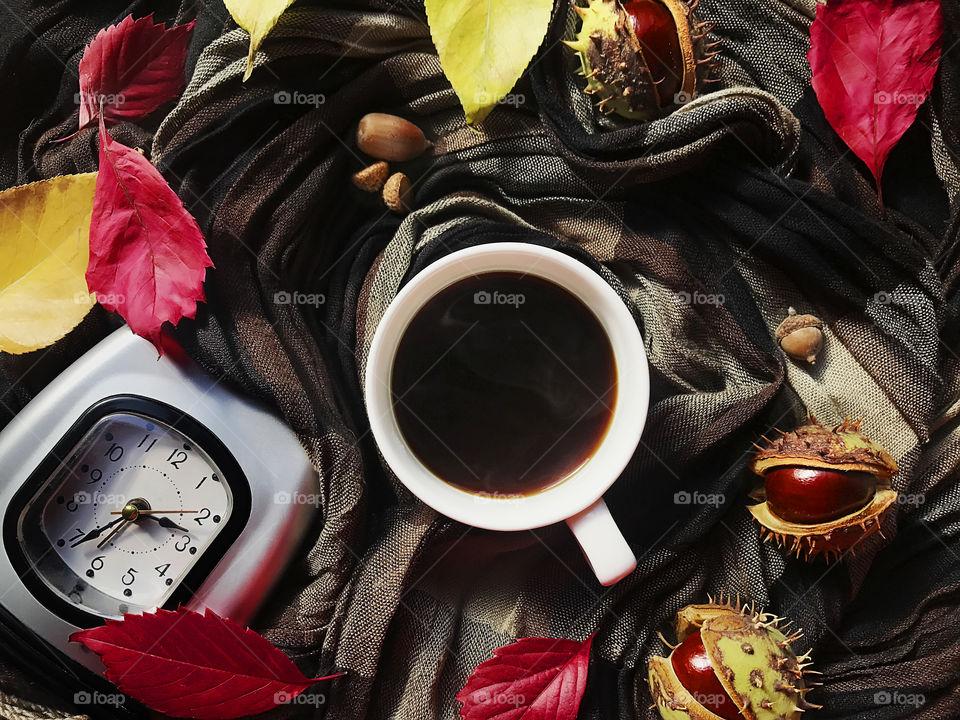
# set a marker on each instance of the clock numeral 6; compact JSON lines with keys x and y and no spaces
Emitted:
{"x":128,"y":574}
{"x":97,"y":563}
{"x":182,"y":543}
{"x":72,"y":504}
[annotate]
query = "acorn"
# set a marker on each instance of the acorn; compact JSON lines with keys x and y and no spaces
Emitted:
{"x":825,"y":490}
{"x":801,"y":336}
{"x":733,"y":663}
{"x":372,"y":177}
{"x":389,"y":137}
{"x":398,"y":193}
{"x":643,"y":58}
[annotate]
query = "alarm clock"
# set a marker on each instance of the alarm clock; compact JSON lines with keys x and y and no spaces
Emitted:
{"x":132,"y":483}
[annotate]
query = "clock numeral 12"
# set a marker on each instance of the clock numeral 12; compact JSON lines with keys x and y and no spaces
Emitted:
{"x":180,"y":456}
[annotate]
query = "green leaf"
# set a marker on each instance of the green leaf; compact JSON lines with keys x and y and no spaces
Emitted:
{"x":484,"y":47}
{"x":257,"y":17}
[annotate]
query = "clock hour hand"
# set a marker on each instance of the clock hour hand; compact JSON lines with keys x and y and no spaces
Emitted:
{"x":97,"y":532}
{"x":164,"y":522}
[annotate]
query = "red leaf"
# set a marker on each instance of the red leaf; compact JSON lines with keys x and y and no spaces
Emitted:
{"x":133,"y":68}
{"x":195,"y":666}
{"x":873,"y":65}
{"x":147,"y":254}
{"x":530,"y":679}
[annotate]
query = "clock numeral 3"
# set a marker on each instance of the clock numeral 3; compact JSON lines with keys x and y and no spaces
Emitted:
{"x":185,"y":540}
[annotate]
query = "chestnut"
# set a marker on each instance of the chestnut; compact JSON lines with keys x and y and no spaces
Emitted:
{"x":825,"y":489}
{"x":730,"y":663}
{"x":643,"y":58}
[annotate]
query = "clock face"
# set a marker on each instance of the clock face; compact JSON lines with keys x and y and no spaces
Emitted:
{"x":125,"y":515}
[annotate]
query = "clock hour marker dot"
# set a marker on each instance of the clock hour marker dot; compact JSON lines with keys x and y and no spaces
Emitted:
{"x":60,"y":500}
{"x":90,"y":573}
{"x":216,"y":518}
{"x":149,"y":426}
{"x":60,"y":543}
{"x":128,"y":592}
{"x":186,"y":446}
{"x":108,"y":436}
{"x":193,"y":551}
{"x":123,"y":607}
{"x":169,"y":581}
{"x":84,"y":468}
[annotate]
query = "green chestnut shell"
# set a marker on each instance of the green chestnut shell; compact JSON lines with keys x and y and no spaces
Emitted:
{"x":618,"y":73}
{"x":753,"y":659}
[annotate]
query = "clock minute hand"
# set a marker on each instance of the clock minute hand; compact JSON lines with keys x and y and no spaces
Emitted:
{"x":94,"y":534}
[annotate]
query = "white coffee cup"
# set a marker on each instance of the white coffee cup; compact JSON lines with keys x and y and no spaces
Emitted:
{"x":578,"y":500}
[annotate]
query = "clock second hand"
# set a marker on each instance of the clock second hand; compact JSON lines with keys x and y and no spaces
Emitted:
{"x":155,"y":512}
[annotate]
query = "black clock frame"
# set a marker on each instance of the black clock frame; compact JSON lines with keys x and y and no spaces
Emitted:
{"x":230,"y":473}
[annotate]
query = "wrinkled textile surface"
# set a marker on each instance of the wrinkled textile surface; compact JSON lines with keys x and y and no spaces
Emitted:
{"x":743,"y":198}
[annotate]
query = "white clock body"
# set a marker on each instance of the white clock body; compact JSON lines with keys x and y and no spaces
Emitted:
{"x":226,"y":487}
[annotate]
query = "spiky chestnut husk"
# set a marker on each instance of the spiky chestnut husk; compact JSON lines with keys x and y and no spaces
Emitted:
{"x":842,"y":460}
{"x":753,"y":661}
{"x":642,"y":58}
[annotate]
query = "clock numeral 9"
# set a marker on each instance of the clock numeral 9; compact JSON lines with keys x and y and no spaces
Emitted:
{"x":128,"y":574}
{"x":185,"y":540}
{"x":95,"y":476}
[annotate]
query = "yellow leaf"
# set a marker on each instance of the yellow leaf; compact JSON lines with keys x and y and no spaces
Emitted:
{"x":485,"y":45}
{"x":258,"y":18}
{"x":44,"y":243}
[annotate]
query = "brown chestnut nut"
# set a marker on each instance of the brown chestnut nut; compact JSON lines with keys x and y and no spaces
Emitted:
{"x":825,"y":489}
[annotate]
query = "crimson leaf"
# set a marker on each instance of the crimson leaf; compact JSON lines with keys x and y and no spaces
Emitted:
{"x":147,"y":254}
{"x":873,"y":64}
{"x":195,"y":666}
{"x":530,"y":679}
{"x":132,"y":68}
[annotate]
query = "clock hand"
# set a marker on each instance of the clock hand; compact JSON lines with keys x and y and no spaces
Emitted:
{"x":155,"y":512}
{"x":93,"y":534}
{"x":164,"y":522}
{"x":113,"y":532}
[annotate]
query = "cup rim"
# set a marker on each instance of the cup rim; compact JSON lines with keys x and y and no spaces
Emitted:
{"x":586,"y":485}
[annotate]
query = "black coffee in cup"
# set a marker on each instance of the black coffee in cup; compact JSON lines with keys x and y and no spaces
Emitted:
{"x":504,"y":384}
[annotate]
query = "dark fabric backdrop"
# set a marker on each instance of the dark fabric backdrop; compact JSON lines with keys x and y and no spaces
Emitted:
{"x":745,"y":194}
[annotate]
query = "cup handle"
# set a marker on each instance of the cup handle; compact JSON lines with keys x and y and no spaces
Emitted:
{"x":602,"y":543}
